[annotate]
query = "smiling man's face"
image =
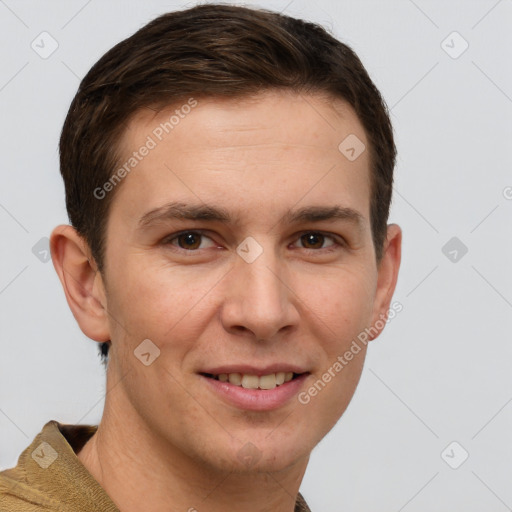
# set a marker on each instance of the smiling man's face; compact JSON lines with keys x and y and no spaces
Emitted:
{"x":250,"y":286}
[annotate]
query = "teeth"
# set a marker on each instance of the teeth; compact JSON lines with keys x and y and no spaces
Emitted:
{"x":268,"y":381}
{"x":235,"y":378}
{"x":248,"y":381}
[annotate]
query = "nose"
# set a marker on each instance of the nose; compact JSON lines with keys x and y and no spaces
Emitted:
{"x":259,"y":300}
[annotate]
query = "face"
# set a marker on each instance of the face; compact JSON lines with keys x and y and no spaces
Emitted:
{"x":240,"y":245}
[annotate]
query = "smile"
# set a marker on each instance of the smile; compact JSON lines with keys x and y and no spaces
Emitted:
{"x":249,"y":381}
{"x":252,"y":392}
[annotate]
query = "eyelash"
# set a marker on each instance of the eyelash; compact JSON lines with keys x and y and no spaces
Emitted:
{"x":337,"y":241}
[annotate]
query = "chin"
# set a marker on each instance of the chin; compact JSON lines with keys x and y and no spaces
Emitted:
{"x":265,"y":456}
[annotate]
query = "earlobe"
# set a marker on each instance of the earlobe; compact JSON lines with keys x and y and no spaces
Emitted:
{"x":387,"y":277}
{"x":82,"y":283}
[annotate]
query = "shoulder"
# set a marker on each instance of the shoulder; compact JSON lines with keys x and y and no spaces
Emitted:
{"x":16,"y":495}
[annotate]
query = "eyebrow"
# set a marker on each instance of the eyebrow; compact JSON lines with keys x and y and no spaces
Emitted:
{"x":205,"y":212}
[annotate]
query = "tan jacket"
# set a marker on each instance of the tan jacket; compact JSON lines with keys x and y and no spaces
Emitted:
{"x":49,"y":476}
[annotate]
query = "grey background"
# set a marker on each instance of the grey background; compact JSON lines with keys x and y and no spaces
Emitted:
{"x":441,"y":370}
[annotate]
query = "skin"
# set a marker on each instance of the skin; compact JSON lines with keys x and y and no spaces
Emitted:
{"x":166,"y":441}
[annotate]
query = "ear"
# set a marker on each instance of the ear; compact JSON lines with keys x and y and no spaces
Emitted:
{"x":386,"y":278}
{"x":82,"y":282}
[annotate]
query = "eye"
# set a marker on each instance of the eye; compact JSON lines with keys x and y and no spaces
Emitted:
{"x":194,"y":240}
{"x":188,"y":240}
{"x":317,"y":239}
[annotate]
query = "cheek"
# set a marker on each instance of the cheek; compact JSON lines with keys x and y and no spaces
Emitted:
{"x":160,"y":302}
{"x":342,"y":301}
{"x":344,"y":311}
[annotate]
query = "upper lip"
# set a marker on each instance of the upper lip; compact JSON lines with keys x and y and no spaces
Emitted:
{"x":254,"y":370}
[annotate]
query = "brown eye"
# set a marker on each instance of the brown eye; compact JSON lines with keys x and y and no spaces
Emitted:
{"x":313,"y":240}
{"x":189,"y":240}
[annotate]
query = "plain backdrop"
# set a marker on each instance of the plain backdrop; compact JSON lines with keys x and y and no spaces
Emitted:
{"x":437,"y":385}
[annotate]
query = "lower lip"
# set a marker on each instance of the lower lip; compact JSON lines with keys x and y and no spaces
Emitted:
{"x":256,"y":399}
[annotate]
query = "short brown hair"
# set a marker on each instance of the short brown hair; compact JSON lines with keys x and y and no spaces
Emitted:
{"x":211,"y":51}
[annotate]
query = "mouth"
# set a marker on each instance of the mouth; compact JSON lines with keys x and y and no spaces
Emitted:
{"x":254,"y":381}
{"x":255,"y":389}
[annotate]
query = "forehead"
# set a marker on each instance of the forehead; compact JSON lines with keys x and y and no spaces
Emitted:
{"x":294,"y":117}
{"x":258,"y":154}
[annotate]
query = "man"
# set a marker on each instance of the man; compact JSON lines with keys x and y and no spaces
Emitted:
{"x":228,"y":177}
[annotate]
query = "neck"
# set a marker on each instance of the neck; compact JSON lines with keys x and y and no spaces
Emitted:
{"x":141,"y":471}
